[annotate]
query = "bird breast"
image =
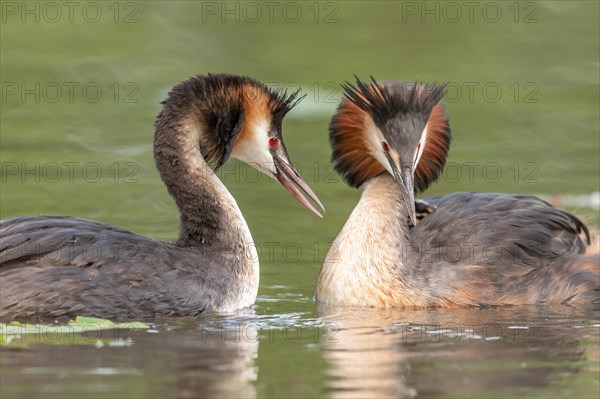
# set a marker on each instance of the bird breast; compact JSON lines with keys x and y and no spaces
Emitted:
{"x":363,"y":264}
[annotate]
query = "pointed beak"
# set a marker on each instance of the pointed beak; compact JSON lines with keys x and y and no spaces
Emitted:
{"x":405,"y":178}
{"x":288,"y":176}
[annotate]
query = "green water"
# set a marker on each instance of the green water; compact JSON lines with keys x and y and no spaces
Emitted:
{"x":79,"y":95}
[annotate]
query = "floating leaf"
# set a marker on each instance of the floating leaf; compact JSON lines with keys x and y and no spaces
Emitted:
{"x":107,"y":324}
{"x":82,"y":330}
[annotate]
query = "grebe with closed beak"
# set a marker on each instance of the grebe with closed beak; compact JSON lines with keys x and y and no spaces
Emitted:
{"x":476,"y":249}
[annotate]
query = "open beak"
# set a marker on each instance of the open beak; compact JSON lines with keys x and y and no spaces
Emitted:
{"x":405,"y":178}
{"x":288,"y":176}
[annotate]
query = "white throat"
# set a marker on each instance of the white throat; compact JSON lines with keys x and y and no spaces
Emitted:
{"x":362,"y":266}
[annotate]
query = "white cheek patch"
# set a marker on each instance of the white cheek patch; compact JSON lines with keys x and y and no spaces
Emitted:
{"x":374,"y":140}
{"x":421,"y":148}
{"x":253,"y":149}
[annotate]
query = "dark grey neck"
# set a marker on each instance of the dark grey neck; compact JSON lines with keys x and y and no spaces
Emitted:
{"x":209,"y":216}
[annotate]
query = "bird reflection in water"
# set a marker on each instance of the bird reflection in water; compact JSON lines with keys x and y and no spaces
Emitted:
{"x":402,"y":353}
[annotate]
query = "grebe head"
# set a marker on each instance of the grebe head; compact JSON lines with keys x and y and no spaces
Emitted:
{"x":398,"y":127}
{"x":237,"y":116}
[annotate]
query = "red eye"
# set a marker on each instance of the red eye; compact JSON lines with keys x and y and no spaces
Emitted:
{"x":273,"y":142}
{"x":385,"y":146}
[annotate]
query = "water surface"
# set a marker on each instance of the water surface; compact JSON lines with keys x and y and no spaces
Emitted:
{"x":344,"y":353}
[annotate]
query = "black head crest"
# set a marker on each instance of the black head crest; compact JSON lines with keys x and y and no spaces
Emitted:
{"x":281,"y":102}
{"x":384,"y":100}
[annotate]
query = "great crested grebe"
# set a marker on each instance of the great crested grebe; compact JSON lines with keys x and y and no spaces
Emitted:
{"x":475,"y":249}
{"x":60,"y":266}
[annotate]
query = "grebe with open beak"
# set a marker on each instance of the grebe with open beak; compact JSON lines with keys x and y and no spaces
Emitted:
{"x":54,"y":266}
